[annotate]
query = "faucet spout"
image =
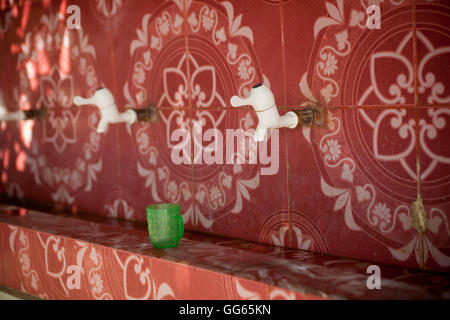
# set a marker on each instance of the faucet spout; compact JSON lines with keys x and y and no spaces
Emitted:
{"x":104,"y":101}
{"x":263,"y":102}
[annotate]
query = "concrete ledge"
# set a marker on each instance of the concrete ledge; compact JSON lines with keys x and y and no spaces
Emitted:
{"x":63,"y":257}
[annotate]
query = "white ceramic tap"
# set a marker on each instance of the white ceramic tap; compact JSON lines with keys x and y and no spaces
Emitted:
{"x":263,"y":102}
{"x":5,"y":115}
{"x":11,"y":116}
{"x":104,"y":100}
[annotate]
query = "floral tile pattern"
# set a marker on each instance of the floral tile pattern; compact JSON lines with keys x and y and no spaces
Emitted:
{"x":435,"y":171}
{"x":366,"y":185}
{"x":433,"y":51}
{"x":346,"y":61}
{"x":351,"y":183}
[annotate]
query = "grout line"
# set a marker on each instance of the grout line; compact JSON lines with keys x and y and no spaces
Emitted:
{"x":415,"y":56}
{"x":186,"y":50}
{"x":283,"y":53}
{"x":416,"y":94}
{"x":288,"y":194}
{"x":417,"y":119}
{"x":296,"y":107}
{"x":116,"y":129}
{"x":186,"y":46}
{"x":283,"y":67}
{"x":435,"y":105}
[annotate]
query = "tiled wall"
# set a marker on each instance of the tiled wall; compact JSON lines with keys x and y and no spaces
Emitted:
{"x":346,"y":190}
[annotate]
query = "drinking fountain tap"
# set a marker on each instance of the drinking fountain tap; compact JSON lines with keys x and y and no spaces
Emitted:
{"x":263,"y":102}
{"x":10,"y":116}
{"x":104,"y":100}
{"x":19,"y":115}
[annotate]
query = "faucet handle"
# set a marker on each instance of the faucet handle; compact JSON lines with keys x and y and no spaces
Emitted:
{"x":102,"y":98}
{"x":238,"y":102}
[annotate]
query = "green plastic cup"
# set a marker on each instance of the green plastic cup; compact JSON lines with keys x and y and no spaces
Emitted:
{"x":165,"y":224}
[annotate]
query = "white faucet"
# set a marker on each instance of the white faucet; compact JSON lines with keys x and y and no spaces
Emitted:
{"x":5,"y":115}
{"x":11,"y":116}
{"x":263,"y":102}
{"x":104,"y":100}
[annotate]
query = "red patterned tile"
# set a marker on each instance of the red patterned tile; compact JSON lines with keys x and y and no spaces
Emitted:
{"x":333,"y":57}
{"x":433,"y":52}
{"x":434,"y":133}
{"x":177,"y":281}
{"x":153,"y":51}
{"x":154,"y":73}
{"x":11,"y":269}
{"x":205,"y":280}
{"x":233,"y":42}
{"x":244,"y":289}
{"x":148,"y":173}
{"x":125,"y":275}
{"x":63,"y":152}
{"x":353,"y":183}
{"x":349,"y":187}
{"x":44,"y":264}
{"x":172,"y":281}
{"x":41,"y":263}
{"x":283,"y":294}
{"x":245,"y":200}
{"x":20,"y":136}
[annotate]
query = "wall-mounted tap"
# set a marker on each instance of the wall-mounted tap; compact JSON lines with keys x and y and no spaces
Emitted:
{"x":104,"y":100}
{"x":11,"y":116}
{"x":19,"y":115}
{"x":263,"y":102}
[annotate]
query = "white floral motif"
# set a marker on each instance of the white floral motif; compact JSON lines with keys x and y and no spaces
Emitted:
{"x":335,"y":149}
{"x":336,"y":17}
{"x":25,"y":260}
{"x":243,"y":70}
{"x":192,"y":20}
{"x":342,"y":39}
{"x":215,"y":193}
{"x":330,"y":64}
{"x":428,"y":80}
{"x":164,"y":290}
{"x":113,"y":209}
{"x":23,"y":257}
{"x":164,"y":26}
{"x":378,"y":214}
{"x":343,"y":200}
{"x":97,"y":288}
{"x":301,"y":243}
{"x":98,"y":283}
{"x":347,"y":173}
{"x":56,"y":92}
{"x":102,"y":5}
{"x":356,"y":18}
{"x":208,"y":20}
{"x":222,"y":28}
{"x":59,"y":93}
{"x":383,"y":212}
